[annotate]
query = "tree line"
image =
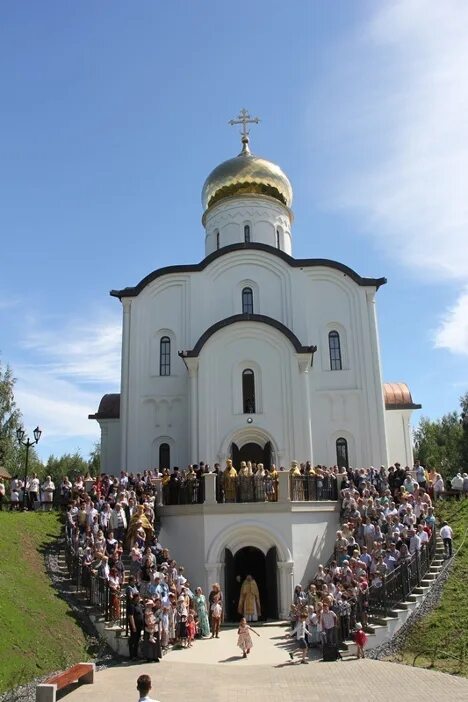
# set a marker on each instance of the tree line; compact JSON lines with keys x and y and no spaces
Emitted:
{"x":443,"y":443}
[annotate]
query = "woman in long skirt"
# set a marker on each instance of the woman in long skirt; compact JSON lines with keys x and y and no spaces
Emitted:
{"x":202,"y":614}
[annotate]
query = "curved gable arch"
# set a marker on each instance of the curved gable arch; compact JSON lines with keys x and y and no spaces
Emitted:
{"x":293,"y":262}
{"x":234,"y":319}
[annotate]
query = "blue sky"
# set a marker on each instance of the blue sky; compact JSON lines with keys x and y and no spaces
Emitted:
{"x":113,"y":113}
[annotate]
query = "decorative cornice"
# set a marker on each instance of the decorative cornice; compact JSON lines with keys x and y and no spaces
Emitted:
{"x":292,"y":262}
{"x":234,"y":319}
{"x":408,"y":406}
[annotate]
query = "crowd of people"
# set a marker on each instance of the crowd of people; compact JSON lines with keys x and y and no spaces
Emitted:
{"x":387,"y":516}
{"x":36,"y":493}
{"x":107,"y":517}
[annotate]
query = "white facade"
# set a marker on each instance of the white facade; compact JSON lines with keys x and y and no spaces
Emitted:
{"x":302,"y":406}
{"x":399,"y":439}
{"x":307,"y":329}
{"x":303,"y":535}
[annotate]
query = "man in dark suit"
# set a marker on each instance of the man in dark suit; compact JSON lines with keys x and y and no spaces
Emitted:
{"x":136,"y":624}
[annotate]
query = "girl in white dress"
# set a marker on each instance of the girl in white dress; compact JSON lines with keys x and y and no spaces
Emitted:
{"x":244,"y":640}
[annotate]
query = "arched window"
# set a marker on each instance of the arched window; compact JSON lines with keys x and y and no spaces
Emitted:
{"x":335,"y":350}
{"x":342,"y":460}
{"x":247,"y":301}
{"x":248,"y":391}
{"x":247,"y":233}
{"x":278,"y":239}
{"x":217,"y":241}
{"x":165,"y":356}
{"x":164,"y":456}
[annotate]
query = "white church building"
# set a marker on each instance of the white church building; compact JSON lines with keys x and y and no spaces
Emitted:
{"x":255,"y":355}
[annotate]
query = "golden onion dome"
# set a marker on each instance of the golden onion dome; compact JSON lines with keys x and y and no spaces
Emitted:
{"x":246,"y":174}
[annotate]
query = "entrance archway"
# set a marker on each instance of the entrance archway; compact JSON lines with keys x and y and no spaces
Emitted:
{"x":251,"y":561}
{"x":251,"y":452}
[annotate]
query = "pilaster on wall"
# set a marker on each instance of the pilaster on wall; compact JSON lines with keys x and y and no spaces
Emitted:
{"x":286,"y":586}
{"x":125,"y":380}
{"x":304,"y":362}
{"x":379,"y":446}
{"x":192,"y":367}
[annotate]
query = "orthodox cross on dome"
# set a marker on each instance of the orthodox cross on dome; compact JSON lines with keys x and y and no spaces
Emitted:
{"x":244,"y":119}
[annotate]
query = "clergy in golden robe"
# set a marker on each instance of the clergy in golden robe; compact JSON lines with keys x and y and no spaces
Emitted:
{"x":249,"y":600}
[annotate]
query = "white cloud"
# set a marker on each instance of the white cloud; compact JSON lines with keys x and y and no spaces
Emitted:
{"x":59,"y":407}
{"x":89,"y":353}
{"x":395,"y":128}
{"x":68,"y":369}
{"x":453,"y":331}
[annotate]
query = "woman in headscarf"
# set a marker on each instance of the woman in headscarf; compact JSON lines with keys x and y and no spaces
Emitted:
{"x":47,"y":489}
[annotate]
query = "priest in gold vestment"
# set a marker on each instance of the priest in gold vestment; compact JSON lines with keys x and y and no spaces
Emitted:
{"x":249,"y":600}
{"x":230,"y":482}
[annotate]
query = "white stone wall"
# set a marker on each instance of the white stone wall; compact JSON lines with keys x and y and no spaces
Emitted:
{"x":400,"y":446}
{"x":199,"y":413}
{"x":268,"y":219}
{"x":303,"y":535}
{"x":110,"y":446}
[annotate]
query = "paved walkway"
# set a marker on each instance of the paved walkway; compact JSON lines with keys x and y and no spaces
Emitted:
{"x":211,"y":671}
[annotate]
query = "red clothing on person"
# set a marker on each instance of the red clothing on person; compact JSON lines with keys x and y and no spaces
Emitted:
{"x":191,"y":629}
{"x":360,"y":637}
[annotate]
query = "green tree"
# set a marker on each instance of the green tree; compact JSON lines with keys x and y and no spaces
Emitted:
{"x":10,"y":420}
{"x":94,"y":461}
{"x":464,"y":424}
{"x":439,"y":444}
{"x":12,"y":454}
{"x":70,"y":464}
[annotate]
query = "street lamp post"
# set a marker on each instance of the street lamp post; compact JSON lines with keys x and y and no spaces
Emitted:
{"x":28,"y":443}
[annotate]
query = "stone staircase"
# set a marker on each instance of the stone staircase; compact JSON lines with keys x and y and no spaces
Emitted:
{"x":381,"y":628}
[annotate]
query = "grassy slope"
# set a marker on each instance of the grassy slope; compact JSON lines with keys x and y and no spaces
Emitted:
{"x":446,"y":627}
{"x":37,"y":633}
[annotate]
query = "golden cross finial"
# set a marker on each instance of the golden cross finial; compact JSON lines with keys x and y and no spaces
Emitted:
{"x":244,"y":118}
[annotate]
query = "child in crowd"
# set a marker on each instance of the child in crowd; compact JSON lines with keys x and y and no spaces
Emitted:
{"x":300,"y":631}
{"x":360,"y":639}
{"x":150,"y":621}
{"x":165,"y":627}
{"x":191,"y":630}
{"x":182,"y":622}
{"x":216,"y":612}
{"x":244,"y":640}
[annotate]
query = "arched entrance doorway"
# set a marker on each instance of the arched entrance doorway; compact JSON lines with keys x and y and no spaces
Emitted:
{"x":251,"y":561}
{"x":251,"y":452}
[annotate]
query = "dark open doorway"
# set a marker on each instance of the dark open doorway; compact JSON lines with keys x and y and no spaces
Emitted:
{"x":251,"y":452}
{"x":251,"y":561}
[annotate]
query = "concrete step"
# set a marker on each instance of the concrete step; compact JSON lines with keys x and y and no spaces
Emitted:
{"x":408,"y":604}
{"x":114,"y":627}
{"x":414,"y":598}
{"x":421,"y":589}
{"x":374,"y":628}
